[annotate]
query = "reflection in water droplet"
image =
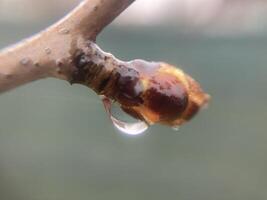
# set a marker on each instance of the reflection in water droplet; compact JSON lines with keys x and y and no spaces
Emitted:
{"x":122,"y":121}
{"x":136,"y":128}
{"x":176,"y":128}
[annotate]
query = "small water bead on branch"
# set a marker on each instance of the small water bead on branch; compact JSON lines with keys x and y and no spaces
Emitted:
{"x":152,"y":92}
{"x":123,"y":122}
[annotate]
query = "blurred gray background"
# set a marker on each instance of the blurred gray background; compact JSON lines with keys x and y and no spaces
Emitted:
{"x":57,"y":143}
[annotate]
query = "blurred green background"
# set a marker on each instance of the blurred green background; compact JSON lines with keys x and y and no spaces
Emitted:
{"x":57,"y":143}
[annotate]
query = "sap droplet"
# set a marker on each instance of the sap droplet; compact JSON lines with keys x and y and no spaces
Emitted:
{"x":122,"y":121}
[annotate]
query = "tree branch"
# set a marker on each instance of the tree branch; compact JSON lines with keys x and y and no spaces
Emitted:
{"x":154,"y":92}
{"x":50,"y":52}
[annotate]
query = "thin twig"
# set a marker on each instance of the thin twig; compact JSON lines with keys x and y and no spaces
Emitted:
{"x":154,"y":92}
{"x":50,"y":53}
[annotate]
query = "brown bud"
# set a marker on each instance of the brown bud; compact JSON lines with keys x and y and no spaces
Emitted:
{"x":154,"y":92}
{"x":159,"y":93}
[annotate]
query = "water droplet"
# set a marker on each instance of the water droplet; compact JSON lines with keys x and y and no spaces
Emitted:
{"x":122,"y":121}
{"x":47,"y":51}
{"x":176,"y":128}
{"x":25,"y":61}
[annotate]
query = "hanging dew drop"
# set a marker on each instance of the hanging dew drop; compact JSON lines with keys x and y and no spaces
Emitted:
{"x":176,"y":128}
{"x":122,"y":121}
{"x":136,"y":128}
